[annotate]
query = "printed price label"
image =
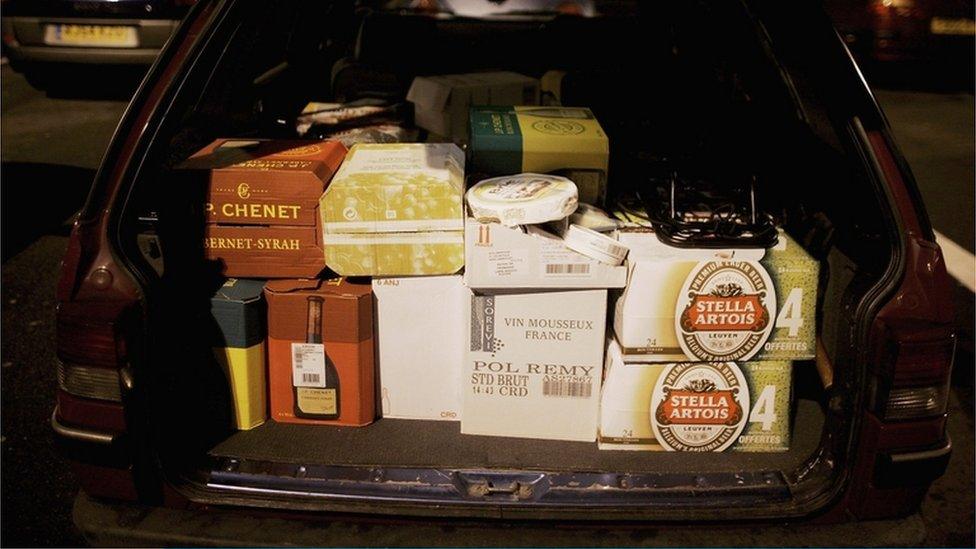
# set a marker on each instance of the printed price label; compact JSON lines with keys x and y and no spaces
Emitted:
{"x":506,"y":263}
{"x":308,"y":364}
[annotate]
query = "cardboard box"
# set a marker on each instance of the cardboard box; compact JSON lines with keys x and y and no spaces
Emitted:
{"x":716,"y":305}
{"x":697,"y":416}
{"x":510,"y":140}
{"x":534,"y":364}
{"x":505,"y":257}
{"x":420,"y":328}
{"x":441,"y":103}
{"x":238,"y":311}
{"x":260,"y":204}
{"x":396,"y":210}
{"x":265,"y":252}
{"x":320,"y":350}
{"x":262,"y":182}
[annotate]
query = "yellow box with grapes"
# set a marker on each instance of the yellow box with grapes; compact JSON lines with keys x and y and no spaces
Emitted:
{"x":396,"y":210}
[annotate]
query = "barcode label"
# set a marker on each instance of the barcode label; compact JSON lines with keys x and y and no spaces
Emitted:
{"x":308,"y":364}
{"x":567,"y":388}
{"x":567,"y":268}
{"x":615,"y":250}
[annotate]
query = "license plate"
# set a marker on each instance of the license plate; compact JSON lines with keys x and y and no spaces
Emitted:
{"x":91,"y":35}
{"x":960,"y":26}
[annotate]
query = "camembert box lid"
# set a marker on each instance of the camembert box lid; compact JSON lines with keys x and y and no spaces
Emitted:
{"x":265,"y":182}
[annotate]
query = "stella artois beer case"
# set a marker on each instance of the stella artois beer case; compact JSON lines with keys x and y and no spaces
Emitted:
{"x":261,"y":204}
{"x":320,"y":351}
{"x":716,"y":305}
{"x":695,"y":406}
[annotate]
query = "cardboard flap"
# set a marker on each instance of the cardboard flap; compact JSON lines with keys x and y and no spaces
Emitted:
{"x":238,"y":312}
{"x":240,"y":290}
{"x":292,"y":285}
{"x":429,"y":92}
{"x":233,"y":154}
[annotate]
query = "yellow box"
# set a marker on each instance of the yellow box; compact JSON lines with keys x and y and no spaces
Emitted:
{"x":238,"y":341}
{"x":395,"y":210}
{"x":244,"y":369}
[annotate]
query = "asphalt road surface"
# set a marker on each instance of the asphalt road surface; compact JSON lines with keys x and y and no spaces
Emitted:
{"x":50,"y":149}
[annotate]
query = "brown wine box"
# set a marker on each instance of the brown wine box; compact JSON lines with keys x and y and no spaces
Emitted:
{"x":336,"y":344}
{"x":261,"y":204}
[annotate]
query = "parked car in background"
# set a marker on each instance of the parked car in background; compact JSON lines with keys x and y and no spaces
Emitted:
{"x":907,"y":30}
{"x":41,"y":36}
{"x":759,"y":85}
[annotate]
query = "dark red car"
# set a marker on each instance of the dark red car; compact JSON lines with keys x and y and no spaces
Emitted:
{"x":762,"y":83}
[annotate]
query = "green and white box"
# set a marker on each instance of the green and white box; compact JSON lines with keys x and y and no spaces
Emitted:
{"x":695,"y":406}
{"x":716,"y":305}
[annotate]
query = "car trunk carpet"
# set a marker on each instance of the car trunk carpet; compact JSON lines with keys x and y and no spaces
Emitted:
{"x":440,"y":444}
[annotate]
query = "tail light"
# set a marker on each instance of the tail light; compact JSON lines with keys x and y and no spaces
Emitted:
{"x":89,"y":358}
{"x":912,"y":377}
{"x":916,"y":402}
{"x":88,"y":382}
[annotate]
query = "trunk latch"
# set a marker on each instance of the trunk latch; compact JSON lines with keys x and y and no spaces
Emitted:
{"x":501,"y":486}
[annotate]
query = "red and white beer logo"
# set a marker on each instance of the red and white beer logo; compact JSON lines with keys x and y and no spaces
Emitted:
{"x":699,"y":407}
{"x":725,"y":310}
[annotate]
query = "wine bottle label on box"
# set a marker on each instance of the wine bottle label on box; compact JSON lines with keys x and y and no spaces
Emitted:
{"x":314,"y":400}
{"x":308,"y":364}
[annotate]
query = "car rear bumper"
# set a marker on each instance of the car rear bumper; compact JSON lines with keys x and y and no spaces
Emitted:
{"x":112,"y":524}
{"x":24,"y":40}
